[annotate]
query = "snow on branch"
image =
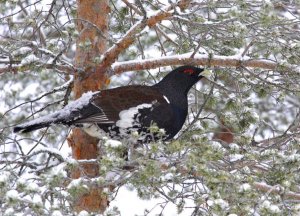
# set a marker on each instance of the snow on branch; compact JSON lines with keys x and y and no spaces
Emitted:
{"x":27,"y":68}
{"x":277,"y":189}
{"x":200,"y":59}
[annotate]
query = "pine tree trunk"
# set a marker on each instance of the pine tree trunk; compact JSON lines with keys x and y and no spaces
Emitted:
{"x":90,"y":45}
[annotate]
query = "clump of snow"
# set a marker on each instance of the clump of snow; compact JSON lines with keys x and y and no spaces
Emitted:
{"x":81,"y":102}
{"x":9,"y":212}
{"x":83,"y":213}
{"x":71,"y":161}
{"x":29,"y":59}
{"x":210,"y":202}
{"x":222,"y":203}
{"x":244,"y":187}
{"x":297,"y":208}
{"x":271,"y":207}
{"x":235,"y":157}
{"x":168,"y":176}
{"x":12,"y":195}
{"x":113,"y":143}
{"x":274,"y":209}
{"x":216,"y":145}
{"x":234,"y":146}
{"x":74,"y":183}
{"x":4,"y":177}
{"x":22,"y":51}
{"x":127,"y":116}
{"x":293,"y":158}
{"x":32,"y":186}
{"x":56,"y":213}
{"x":37,"y":200}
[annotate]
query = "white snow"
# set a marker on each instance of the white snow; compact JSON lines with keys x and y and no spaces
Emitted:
{"x":22,"y":51}
{"x":271,"y":207}
{"x":74,"y":183}
{"x":234,"y":146}
{"x":244,"y":187}
{"x":4,"y":176}
{"x":127,"y":116}
{"x":130,"y":204}
{"x":113,"y":143}
{"x":36,"y":199}
{"x":56,"y":213}
{"x":83,"y":213}
{"x":54,"y":151}
{"x":29,"y":59}
{"x":9,"y":212}
{"x":217,"y":146}
{"x":274,"y":209}
{"x":235,"y":157}
{"x":32,"y":186}
{"x":12,"y":194}
{"x":29,"y":89}
{"x":222,"y":203}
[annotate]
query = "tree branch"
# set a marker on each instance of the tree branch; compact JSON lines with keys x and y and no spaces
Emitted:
{"x":183,"y":59}
{"x":112,"y":54}
{"x":200,"y":59}
{"x":23,"y":68}
{"x":276,"y":190}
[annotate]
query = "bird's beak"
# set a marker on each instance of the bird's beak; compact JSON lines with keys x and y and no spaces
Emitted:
{"x":206,"y":73}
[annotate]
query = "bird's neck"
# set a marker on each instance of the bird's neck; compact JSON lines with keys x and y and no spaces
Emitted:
{"x":175,"y":93}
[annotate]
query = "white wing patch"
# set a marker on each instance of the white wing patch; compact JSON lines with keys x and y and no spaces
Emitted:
{"x":165,"y":97}
{"x":127,"y":116}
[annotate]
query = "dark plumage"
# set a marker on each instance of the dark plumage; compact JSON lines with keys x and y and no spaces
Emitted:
{"x":120,"y":111}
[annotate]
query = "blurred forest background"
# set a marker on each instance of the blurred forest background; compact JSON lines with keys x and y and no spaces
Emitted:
{"x":238,"y":153}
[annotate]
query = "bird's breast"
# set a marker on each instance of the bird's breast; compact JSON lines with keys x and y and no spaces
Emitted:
{"x":179,"y":116}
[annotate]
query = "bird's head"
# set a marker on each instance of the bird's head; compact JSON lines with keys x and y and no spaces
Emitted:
{"x":182,"y":78}
{"x":188,"y":72}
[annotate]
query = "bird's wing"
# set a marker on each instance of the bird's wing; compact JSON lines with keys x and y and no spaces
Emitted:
{"x":116,"y":106}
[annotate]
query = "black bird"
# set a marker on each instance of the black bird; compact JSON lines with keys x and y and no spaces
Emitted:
{"x":123,"y":110}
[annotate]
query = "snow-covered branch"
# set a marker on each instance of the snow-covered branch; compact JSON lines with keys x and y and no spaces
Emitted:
{"x":277,"y":189}
{"x":200,"y":59}
{"x":26,"y":68}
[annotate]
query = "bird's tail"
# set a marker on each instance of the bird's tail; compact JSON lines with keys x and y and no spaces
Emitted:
{"x":38,"y":123}
{"x":28,"y":128}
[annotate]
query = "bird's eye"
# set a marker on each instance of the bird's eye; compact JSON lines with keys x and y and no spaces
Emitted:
{"x":188,"y":71}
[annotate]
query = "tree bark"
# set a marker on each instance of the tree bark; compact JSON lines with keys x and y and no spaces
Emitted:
{"x":91,"y":43}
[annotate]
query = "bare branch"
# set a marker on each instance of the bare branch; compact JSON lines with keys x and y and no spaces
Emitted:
{"x":112,"y":54}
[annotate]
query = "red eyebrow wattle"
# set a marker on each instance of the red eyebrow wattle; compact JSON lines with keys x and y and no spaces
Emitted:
{"x":190,"y":71}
